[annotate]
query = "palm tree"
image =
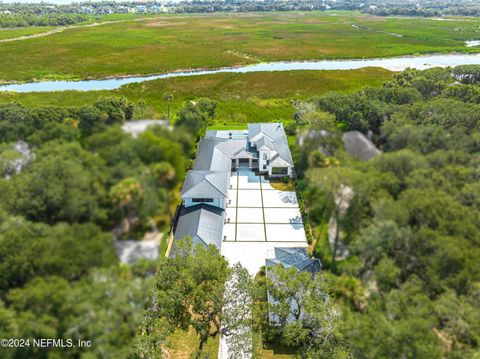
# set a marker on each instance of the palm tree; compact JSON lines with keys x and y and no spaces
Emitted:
{"x":127,"y":196}
{"x":163,"y":172}
{"x":167,"y":96}
{"x":141,"y":105}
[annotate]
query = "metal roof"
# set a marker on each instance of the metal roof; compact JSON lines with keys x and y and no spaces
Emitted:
{"x":295,"y":257}
{"x":205,"y":184}
{"x":265,"y":141}
{"x":272,"y":136}
{"x":203,"y":223}
{"x":274,"y":130}
{"x":236,"y":148}
{"x":210,"y":158}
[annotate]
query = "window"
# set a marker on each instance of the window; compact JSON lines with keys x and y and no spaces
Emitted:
{"x":264,"y":167}
{"x":265,"y":156}
{"x":196,"y":200}
{"x":279,"y":170}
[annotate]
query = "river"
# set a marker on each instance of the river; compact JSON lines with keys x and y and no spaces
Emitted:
{"x":392,"y":64}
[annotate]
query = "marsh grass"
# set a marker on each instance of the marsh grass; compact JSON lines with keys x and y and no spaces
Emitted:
{"x":242,"y":98}
{"x":172,"y":42}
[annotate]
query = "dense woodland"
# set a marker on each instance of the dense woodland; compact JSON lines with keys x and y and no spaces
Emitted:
{"x":25,"y":20}
{"x":410,"y":286}
{"x":83,"y":180}
{"x":406,"y":285}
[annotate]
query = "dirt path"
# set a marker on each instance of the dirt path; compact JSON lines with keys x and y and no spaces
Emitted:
{"x":63,"y":28}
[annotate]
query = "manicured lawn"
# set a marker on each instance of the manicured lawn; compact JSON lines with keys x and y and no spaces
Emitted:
{"x":276,"y":351}
{"x":171,"y":42}
{"x":282,"y":186}
{"x":242,"y":98}
{"x":182,"y":344}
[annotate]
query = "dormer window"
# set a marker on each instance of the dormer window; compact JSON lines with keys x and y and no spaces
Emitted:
{"x":200,"y":200}
{"x":265,"y":156}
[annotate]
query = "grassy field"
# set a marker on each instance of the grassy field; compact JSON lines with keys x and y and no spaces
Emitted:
{"x":275,"y":351}
{"x":9,"y":33}
{"x":261,"y":96}
{"x":171,"y":42}
{"x":22,"y":31}
{"x":182,"y":345}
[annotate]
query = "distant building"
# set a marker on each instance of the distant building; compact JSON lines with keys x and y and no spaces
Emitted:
{"x":154,"y":9}
{"x":359,"y":146}
{"x":141,"y":8}
{"x":86,"y":10}
{"x":104,"y":10}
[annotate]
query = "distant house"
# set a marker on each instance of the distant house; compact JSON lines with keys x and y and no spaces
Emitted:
{"x":154,"y":9}
{"x":297,"y":258}
{"x":141,"y":8}
{"x":104,"y":10}
{"x":359,"y":146}
{"x":86,"y":10}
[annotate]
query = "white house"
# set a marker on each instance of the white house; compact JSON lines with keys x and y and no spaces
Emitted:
{"x":205,"y":190}
{"x":274,"y":156}
{"x":208,"y":187}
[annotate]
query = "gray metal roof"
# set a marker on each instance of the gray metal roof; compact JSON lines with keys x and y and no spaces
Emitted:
{"x":274,"y":130}
{"x":265,"y":141}
{"x":210,"y":158}
{"x":205,"y":184}
{"x":271,"y":135}
{"x":236,"y":148}
{"x":203,"y":223}
{"x":215,"y":154}
{"x":295,"y":257}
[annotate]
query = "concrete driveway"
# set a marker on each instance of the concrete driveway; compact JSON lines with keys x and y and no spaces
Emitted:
{"x":258,"y":219}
